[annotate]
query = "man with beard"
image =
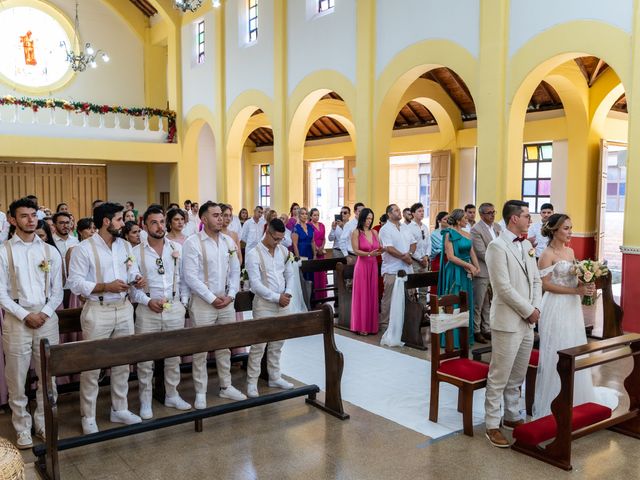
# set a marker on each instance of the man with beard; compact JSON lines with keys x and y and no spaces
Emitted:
{"x":101,"y":269}
{"x":30,"y":291}
{"x":160,"y":306}
{"x":61,"y":237}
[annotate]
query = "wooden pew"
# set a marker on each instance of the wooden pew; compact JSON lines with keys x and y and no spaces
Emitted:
{"x":567,"y":423}
{"x":612,"y":314}
{"x":327,"y":265}
{"x":74,"y":357}
{"x":416,"y":313}
{"x":344,"y":272}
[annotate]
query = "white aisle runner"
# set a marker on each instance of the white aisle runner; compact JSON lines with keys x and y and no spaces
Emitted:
{"x":390,"y":384}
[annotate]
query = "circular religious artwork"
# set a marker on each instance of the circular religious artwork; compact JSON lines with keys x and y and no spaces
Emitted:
{"x":32,"y":55}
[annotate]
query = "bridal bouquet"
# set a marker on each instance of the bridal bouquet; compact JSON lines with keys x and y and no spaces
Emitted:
{"x":588,"y":271}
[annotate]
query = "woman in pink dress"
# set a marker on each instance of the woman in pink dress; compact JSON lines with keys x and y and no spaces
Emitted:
{"x":293,"y":216}
{"x":319,"y":278}
{"x":364,"y":304}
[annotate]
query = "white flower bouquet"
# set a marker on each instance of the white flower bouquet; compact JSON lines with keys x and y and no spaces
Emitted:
{"x":588,"y":271}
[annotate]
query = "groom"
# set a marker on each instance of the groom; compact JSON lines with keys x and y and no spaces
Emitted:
{"x":515,"y":310}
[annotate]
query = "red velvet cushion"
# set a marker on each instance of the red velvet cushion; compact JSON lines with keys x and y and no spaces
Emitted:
{"x":465,"y":369}
{"x":545,"y":428}
{"x":534,"y":358}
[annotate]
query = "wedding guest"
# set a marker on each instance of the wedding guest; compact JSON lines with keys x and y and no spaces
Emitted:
{"x":86,"y":229}
{"x":396,"y":256}
{"x":407,"y":216}
{"x":420,"y":235}
{"x":172,"y":205}
{"x":269,"y":215}
{"x":131,"y":233}
{"x":100,"y":270}
{"x":366,"y":246}
{"x":129,"y":216}
{"x":212,"y":273}
{"x":176,"y":221}
{"x":234,"y":224}
{"x":482,"y":234}
{"x":49,"y":222}
{"x":302,"y":238}
{"x":252,"y":230}
{"x":337,"y":227}
{"x":470,"y":213}
{"x":384,"y":218}
{"x":40,"y":212}
{"x":96,"y":203}
{"x":44,"y":232}
{"x":130,"y":206}
{"x":62,"y":207}
{"x":4,"y":227}
{"x":227,"y":219}
{"x":62,"y":238}
{"x":271,"y":278}
{"x":319,"y":278}
{"x":293,"y":216}
{"x":347,"y":230}
{"x":160,"y":306}
{"x":436,"y":240}
{"x":381,"y":221}
{"x":462,"y":264}
{"x":286,"y":241}
{"x":535,"y":236}
{"x":30,"y":292}
{"x":243,"y":216}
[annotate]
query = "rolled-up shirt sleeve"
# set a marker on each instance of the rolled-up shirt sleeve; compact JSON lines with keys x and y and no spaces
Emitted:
{"x":191,"y":263}
{"x":79,"y":266}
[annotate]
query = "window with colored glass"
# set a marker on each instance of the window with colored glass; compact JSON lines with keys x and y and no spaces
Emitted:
{"x":265,"y":185}
{"x":536,"y":175}
{"x":200,"y":41}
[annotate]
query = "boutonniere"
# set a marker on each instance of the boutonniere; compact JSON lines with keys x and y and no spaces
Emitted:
{"x":232,"y":253}
{"x":290,"y":258}
{"x":129,"y":261}
{"x":45,"y":266}
{"x":532,"y":252}
{"x":166,"y":306}
{"x":175,"y":254}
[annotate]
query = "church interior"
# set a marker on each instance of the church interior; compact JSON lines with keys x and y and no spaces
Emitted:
{"x":327,"y":103}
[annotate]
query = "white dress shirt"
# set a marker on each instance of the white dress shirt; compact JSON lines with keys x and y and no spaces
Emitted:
{"x":222,"y":262}
{"x":277,"y":269}
{"x":235,"y":225}
{"x":113,"y":264}
{"x":392,"y":236}
{"x":252,"y":233}
{"x":535,"y":230}
{"x":4,"y":228}
{"x":491,"y":231}
{"x":335,"y":235}
{"x":161,"y":286}
{"x":344,"y":242}
{"x":286,"y":241}
{"x":420,"y":235}
{"x":30,"y":281}
{"x":64,"y":245}
{"x":189,"y":229}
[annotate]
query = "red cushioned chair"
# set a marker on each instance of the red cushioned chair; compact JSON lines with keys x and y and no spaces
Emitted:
{"x":453,"y":365}
{"x":532,"y":373}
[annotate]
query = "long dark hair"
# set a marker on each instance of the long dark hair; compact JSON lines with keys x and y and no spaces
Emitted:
{"x":362,"y":218}
{"x":42,"y":225}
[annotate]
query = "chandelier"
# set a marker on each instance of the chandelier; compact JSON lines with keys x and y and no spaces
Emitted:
{"x":82,"y":58}
{"x":192,"y":5}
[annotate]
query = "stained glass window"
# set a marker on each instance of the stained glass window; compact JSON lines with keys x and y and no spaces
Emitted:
{"x":200,"y":40}
{"x":536,"y":175}
{"x":265,"y":185}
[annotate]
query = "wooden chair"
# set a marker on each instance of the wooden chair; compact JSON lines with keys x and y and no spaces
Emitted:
{"x":612,"y":314}
{"x":344,"y":272}
{"x":453,"y":365}
{"x":416,"y":314}
{"x":326,"y":265}
{"x":566,"y":422}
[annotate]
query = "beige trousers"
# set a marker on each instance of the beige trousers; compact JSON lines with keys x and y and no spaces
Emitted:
{"x":105,"y":321}
{"x":482,"y":305}
{"x":203,"y":314}
{"x":21,"y":344}
{"x":389,"y":280}
{"x":148,"y":321}
{"x":262,"y":309}
{"x":509,"y":361}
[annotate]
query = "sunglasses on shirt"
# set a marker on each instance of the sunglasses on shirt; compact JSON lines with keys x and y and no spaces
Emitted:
{"x":160,"y":265}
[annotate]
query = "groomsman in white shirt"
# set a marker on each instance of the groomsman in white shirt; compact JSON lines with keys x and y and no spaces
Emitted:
{"x":212,"y":273}
{"x":102,"y":269}
{"x":160,"y":306}
{"x":271,"y":278}
{"x":335,"y":235}
{"x":345,"y":238}
{"x":395,"y":257}
{"x":252,"y":230}
{"x":62,"y":237}
{"x":535,"y":236}
{"x":418,"y":232}
{"x":30,"y":292}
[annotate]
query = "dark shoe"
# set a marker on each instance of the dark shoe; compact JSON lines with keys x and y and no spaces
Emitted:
{"x":496,"y":438}
{"x":487,"y":335}
{"x":479,"y":338}
{"x":509,"y":425}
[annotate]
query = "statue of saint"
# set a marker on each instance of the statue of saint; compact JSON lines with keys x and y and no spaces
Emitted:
{"x":28,"y":47}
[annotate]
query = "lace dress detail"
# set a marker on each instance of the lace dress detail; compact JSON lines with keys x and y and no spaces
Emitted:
{"x":561,"y":326}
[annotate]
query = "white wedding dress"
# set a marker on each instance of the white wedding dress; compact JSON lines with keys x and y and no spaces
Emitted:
{"x":561,"y":326}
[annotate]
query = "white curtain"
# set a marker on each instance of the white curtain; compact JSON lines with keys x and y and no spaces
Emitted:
{"x":391,"y":337}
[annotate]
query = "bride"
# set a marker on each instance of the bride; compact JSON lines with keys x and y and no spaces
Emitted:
{"x":561,"y":322}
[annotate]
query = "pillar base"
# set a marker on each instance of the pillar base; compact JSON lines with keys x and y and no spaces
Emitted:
{"x":630,"y":297}
{"x":583,"y":246}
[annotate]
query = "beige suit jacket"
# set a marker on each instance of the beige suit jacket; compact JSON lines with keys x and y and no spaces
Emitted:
{"x":515,"y":281}
{"x":481,"y":238}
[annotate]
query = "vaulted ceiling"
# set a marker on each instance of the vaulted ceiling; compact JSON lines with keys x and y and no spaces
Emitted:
{"x":145,"y":7}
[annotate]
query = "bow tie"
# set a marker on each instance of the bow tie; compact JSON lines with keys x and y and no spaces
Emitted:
{"x":518,"y":239}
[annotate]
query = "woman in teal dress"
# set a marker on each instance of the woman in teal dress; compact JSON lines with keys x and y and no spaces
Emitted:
{"x":462,"y":265}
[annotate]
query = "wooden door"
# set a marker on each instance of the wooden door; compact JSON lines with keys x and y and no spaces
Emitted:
{"x":439,"y":191}
{"x":350,"y":181}
{"x":16,"y":180}
{"x":403,"y":185}
{"x":601,"y":212}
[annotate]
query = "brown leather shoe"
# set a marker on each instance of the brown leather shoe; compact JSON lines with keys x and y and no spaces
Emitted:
{"x":479,"y":338}
{"x":509,"y":425}
{"x":496,"y":438}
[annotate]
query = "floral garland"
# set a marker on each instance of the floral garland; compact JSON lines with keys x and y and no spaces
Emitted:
{"x":85,"y":107}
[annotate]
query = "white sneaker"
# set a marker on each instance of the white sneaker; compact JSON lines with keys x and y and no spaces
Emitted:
{"x":89,"y":425}
{"x":124,"y":416}
{"x":24,"y":440}
{"x":201,"y":401}
{"x":252,"y":390}
{"x":176,"y":402}
{"x":146,"y":412}
{"x":280,"y":383}
{"x":232,"y":393}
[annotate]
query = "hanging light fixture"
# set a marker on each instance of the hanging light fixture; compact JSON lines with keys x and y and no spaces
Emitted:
{"x":81,"y":59}
{"x":188,"y":5}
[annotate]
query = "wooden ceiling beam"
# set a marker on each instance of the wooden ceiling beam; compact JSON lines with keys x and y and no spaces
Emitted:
{"x":582,"y":68}
{"x":596,"y":71}
{"x":549,"y":92}
{"x":404,"y":119}
{"x":338,"y":125}
{"x":414,"y":112}
{"x":446,"y":88}
{"x":326,"y":121}
{"x":465,"y":90}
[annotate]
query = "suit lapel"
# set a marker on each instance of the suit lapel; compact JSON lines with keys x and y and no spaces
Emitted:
{"x":516,"y":253}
